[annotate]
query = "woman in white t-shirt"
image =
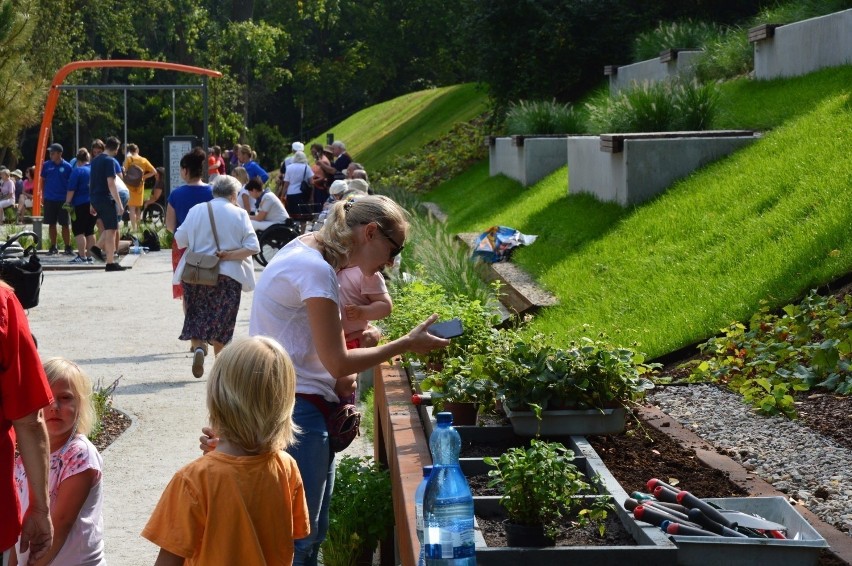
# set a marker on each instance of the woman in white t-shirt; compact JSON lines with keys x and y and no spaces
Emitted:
{"x":297,"y":302}
{"x":269,"y":208}
{"x":291,"y":185}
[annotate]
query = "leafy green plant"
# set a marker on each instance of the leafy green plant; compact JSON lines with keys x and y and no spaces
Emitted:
{"x":415,"y":300}
{"x":362,"y":512}
{"x":809,"y":345}
{"x":541,"y":485}
{"x":542,"y":117}
{"x":102,"y":402}
{"x":462,"y":379}
{"x":663,"y":106}
{"x":587,"y":374}
{"x":672,"y":35}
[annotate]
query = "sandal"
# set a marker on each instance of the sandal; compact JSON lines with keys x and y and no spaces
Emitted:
{"x":198,"y":362}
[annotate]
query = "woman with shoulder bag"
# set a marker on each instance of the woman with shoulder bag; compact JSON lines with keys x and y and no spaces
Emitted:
{"x":297,"y":176}
{"x":222,"y":229}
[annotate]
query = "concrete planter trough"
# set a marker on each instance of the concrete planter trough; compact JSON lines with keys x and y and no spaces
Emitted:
{"x":671,"y":63}
{"x":568,"y":422}
{"x":652,"y":546}
{"x":527,"y":159}
{"x":802,"y":47}
{"x":632,"y":168}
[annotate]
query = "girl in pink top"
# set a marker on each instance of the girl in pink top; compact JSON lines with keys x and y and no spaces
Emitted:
{"x":74,"y":481}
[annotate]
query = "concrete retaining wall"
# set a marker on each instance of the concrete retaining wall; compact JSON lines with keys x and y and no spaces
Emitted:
{"x":645,"y":167}
{"x":652,"y":70}
{"x":806,"y":46}
{"x":527,"y":160}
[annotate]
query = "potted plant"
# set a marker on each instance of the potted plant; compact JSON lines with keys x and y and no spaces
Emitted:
{"x":540,"y":487}
{"x":360,"y":515}
{"x":461,"y":387}
{"x":582,"y":389}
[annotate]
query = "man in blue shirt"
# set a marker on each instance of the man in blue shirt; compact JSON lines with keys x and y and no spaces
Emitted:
{"x":103,"y":194}
{"x":55,"y":173}
{"x":77,"y":198}
{"x":252,"y":168}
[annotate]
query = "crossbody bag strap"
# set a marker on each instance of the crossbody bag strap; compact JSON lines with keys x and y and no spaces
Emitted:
{"x":213,"y":224}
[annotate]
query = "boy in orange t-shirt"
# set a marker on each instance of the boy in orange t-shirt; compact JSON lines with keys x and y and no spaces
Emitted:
{"x":243,"y":502}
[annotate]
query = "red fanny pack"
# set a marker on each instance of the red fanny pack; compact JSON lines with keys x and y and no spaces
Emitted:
{"x":342,"y":420}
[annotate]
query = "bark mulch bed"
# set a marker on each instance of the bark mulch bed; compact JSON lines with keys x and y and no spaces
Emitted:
{"x":114,"y":424}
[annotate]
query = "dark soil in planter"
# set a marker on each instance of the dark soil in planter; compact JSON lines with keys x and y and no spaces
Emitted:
{"x":480,"y":449}
{"x":479,"y":486}
{"x":642,"y":452}
{"x":569,"y":535}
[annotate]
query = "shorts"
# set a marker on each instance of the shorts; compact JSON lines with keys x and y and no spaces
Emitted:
{"x":106,"y":212}
{"x":54,"y":213}
{"x":137,"y":196}
{"x":84,"y":224}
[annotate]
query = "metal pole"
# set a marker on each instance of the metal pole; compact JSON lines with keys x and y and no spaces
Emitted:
{"x":174,"y":128}
{"x":206,"y":112}
{"x":125,"y":120}
{"x":77,"y":115}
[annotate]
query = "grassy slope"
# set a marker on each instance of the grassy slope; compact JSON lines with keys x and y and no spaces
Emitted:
{"x":765,"y":223}
{"x":376,"y":134}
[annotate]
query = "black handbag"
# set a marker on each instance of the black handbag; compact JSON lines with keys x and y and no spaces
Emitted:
{"x":306,"y":188}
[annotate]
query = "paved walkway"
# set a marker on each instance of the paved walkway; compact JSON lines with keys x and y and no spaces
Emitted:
{"x":126,"y":325}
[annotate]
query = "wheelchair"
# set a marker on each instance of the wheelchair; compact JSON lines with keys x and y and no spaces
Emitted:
{"x":154,"y":214}
{"x":274,"y":238}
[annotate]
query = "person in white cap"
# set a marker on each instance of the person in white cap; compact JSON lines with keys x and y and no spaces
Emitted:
{"x":296,"y":146}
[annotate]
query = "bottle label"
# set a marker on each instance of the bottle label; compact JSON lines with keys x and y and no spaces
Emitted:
{"x":452,"y":538}
{"x":418,"y":512}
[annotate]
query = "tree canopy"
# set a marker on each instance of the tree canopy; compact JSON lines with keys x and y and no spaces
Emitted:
{"x":292,"y":68}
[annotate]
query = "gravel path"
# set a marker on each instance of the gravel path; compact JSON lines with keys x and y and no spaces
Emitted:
{"x":126,"y":325}
{"x":807,"y":466}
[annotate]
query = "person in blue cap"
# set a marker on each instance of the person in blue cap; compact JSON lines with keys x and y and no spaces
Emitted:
{"x":55,"y":173}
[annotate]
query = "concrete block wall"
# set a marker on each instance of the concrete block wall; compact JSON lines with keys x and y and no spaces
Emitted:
{"x":652,"y":70}
{"x":803,"y":47}
{"x":644,"y":168}
{"x":526,"y":159}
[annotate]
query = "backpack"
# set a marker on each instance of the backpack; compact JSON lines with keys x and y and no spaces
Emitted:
{"x":133,"y":175}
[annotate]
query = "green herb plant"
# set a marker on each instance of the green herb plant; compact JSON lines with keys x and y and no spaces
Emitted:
{"x":587,"y":374}
{"x":809,"y":345}
{"x":361,"y":514}
{"x":541,"y":485}
{"x":102,"y":402}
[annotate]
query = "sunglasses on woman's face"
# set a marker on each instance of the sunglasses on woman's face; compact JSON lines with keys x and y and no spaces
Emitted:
{"x":395,"y":251}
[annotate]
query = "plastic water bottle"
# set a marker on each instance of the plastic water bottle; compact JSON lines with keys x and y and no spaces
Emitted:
{"x":447,"y":502}
{"x":136,"y":249}
{"x":418,"y":511}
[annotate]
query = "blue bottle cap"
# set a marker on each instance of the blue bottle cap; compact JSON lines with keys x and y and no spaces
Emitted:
{"x":444,"y":417}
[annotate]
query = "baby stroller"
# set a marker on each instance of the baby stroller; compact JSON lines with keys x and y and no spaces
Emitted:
{"x":21,"y":268}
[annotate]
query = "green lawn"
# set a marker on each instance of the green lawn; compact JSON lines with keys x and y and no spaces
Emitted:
{"x":759,"y":105}
{"x":379,"y":133}
{"x":766,"y":223}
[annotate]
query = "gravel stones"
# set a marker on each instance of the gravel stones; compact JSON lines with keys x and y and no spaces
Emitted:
{"x":796,"y":460}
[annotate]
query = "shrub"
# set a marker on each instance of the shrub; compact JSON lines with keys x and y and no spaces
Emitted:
{"x":440,"y":160}
{"x":673,"y":35}
{"x":438,"y":256}
{"x":543,"y":118}
{"x":666,"y":106}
